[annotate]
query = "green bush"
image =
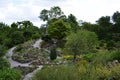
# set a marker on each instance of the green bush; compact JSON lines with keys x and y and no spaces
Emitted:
{"x":115,"y":72}
{"x":110,"y":45}
{"x":53,"y":54}
{"x":36,"y":36}
{"x":2,"y":51}
{"x":81,"y":72}
{"x":101,"y":57}
{"x":4,"y":63}
{"x":10,"y":74}
{"x":55,"y":73}
{"x":67,"y":57}
{"x":90,"y":57}
{"x":115,"y":55}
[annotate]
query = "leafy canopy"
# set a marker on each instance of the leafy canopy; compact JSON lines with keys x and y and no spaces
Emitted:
{"x":58,"y":29}
{"x":81,"y":42}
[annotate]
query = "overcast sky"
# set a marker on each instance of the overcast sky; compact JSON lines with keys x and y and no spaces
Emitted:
{"x":86,"y":10}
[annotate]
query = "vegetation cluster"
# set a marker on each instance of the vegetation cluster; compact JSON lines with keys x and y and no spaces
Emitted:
{"x":89,"y":51}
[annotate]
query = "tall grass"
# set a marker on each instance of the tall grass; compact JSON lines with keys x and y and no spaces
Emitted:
{"x":81,"y":72}
{"x":91,"y":67}
{"x":10,"y":74}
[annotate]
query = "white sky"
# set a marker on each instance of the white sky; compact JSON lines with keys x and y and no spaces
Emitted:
{"x":86,"y":10}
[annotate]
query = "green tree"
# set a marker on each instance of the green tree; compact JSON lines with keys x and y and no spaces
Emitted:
{"x":14,"y":26}
{"x":81,"y":42}
{"x":104,"y":21}
{"x":58,"y":29}
{"x":10,"y":74}
{"x":104,"y":28}
{"x":36,"y":36}
{"x":116,"y":17}
{"x":115,"y":30}
{"x":25,"y":24}
{"x":4,"y":64}
{"x":53,"y":54}
{"x":44,"y":15}
{"x":28,"y":29}
{"x":56,"y":22}
{"x":17,"y":37}
{"x":54,"y":12}
{"x":73,"y":22}
{"x":2,"y":51}
{"x":27,"y":35}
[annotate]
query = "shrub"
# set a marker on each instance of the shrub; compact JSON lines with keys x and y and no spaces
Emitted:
{"x":67,"y":57}
{"x":89,"y":57}
{"x":81,"y":72}
{"x":115,"y":55}
{"x":2,"y":51}
{"x":55,"y":73}
{"x":53,"y":54}
{"x":101,"y":57}
{"x":110,"y":45}
{"x":36,"y":36}
{"x":10,"y":74}
{"x":115,"y":72}
{"x":81,"y":42}
{"x":4,"y":63}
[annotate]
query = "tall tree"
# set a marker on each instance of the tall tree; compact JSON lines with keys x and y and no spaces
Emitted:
{"x":58,"y":29}
{"x":81,"y":42}
{"x":25,"y":24}
{"x":116,"y":17}
{"x":14,"y":25}
{"x":17,"y":37}
{"x":73,"y":22}
{"x":116,"y":26}
{"x":104,"y":27}
{"x":104,"y":21}
{"x":44,"y":15}
{"x":54,"y":12}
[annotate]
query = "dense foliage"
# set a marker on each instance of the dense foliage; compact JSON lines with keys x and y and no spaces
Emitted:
{"x":81,"y":72}
{"x":53,"y":54}
{"x":10,"y":74}
{"x":94,"y":66}
{"x":10,"y":36}
{"x":94,"y":47}
{"x":58,"y":29}
{"x":108,"y":30}
{"x":17,"y":33}
{"x":101,"y":62}
{"x":81,"y":42}
{"x":6,"y":73}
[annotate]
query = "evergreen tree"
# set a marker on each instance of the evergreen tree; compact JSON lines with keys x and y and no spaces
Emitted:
{"x":53,"y":53}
